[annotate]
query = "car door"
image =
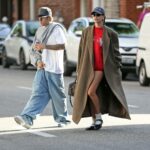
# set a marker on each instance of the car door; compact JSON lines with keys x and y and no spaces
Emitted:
{"x":146,"y":58}
{"x":13,"y":41}
{"x":73,"y":39}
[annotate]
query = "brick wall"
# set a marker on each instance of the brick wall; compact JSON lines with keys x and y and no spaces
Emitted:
{"x":111,"y":8}
{"x":128,"y":9}
{"x":26,"y":9}
{"x":69,"y":9}
{"x":89,"y":6}
{"x":14,"y":13}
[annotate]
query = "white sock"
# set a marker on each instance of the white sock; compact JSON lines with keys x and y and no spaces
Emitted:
{"x":98,"y":117}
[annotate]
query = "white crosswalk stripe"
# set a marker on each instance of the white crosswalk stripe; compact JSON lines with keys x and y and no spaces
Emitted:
{"x":24,"y":88}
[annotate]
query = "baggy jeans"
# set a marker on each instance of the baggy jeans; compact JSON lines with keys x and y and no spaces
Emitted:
{"x":47,"y":86}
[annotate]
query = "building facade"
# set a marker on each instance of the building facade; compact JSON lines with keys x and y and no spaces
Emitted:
{"x":65,"y":11}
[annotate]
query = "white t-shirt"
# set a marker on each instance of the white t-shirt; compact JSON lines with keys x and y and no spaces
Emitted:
{"x":53,"y":59}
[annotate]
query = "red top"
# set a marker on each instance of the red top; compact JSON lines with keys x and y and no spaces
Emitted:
{"x":98,"y":51}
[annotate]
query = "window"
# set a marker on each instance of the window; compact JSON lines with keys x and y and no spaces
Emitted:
{"x":31,"y":27}
{"x":80,"y":25}
{"x":17,"y":30}
{"x":124,"y":29}
{"x":77,"y":25}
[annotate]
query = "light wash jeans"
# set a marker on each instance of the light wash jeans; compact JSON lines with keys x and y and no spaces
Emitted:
{"x":47,"y":86}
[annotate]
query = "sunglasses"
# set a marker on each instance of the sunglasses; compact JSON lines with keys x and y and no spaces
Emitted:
{"x":97,"y":15}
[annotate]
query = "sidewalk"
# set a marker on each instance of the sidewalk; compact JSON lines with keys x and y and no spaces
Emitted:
{"x":47,"y":123}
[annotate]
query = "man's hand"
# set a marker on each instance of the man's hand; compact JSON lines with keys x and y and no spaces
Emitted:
{"x":40,"y":65}
{"x":39,"y":46}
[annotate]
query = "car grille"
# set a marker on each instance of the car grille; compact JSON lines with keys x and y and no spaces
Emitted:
{"x":127,"y":49}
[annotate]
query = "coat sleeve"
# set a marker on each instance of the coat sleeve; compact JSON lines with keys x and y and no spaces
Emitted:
{"x":80,"y":50}
{"x":117,"y":54}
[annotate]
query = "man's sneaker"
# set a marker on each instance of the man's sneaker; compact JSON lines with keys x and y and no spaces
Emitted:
{"x":24,"y":121}
{"x":64,"y":123}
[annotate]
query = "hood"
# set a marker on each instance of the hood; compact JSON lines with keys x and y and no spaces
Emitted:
{"x":128,"y":41}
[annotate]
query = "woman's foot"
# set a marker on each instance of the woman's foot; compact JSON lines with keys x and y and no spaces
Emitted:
{"x":96,"y":126}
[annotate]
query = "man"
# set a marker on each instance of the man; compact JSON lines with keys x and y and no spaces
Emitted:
{"x":98,"y":88}
{"x":47,"y":55}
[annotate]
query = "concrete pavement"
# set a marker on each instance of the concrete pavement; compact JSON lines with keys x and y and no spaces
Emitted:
{"x":46,"y":123}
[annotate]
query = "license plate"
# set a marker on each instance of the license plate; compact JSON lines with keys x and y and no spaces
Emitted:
{"x":127,"y":60}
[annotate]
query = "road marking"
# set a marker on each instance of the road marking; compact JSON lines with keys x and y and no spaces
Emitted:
{"x":43,"y":134}
{"x":35,"y":132}
{"x":25,"y":88}
{"x":8,"y":126}
{"x":133,"y":106}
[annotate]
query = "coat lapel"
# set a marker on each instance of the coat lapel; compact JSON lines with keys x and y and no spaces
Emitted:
{"x":90,"y":44}
{"x":106,"y":43}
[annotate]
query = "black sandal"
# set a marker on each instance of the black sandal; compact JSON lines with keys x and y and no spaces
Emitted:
{"x":95,"y":126}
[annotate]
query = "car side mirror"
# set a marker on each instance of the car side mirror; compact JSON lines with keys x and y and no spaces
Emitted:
{"x":78,"y":33}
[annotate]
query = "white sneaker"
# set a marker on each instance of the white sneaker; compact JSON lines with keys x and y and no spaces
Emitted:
{"x":24,"y":121}
{"x":64,"y":123}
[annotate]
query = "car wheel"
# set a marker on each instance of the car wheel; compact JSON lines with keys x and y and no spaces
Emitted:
{"x":144,"y":81}
{"x":67,"y":69}
{"x":5,"y":61}
{"x":22,"y":59}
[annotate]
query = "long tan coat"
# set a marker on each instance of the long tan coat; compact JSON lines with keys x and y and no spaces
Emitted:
{"x":110,"y":91}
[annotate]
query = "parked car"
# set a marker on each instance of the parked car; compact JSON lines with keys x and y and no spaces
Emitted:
{"x":128,"y":39}
{"x":17,"y":44}
{"x":143,"y":54}
{"x":4,"y":31}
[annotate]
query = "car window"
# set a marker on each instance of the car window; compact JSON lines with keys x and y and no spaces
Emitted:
{"x":31,"y":27}
{"x":4,"y":30}
{"x":17,"y":30}
{"x":77,"y":26}
{"x":124,"y":29}
{"x":80,"y":25}
{"x":91,"y":23}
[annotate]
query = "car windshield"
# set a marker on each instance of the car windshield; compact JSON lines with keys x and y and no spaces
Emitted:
{"x":124,"y":29}
{"x":32,"y":26}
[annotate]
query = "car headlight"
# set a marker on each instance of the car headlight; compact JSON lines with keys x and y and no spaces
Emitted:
{"x":121,"y":50}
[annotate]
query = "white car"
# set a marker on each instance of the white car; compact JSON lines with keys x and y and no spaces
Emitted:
{"x":17,"y":44}
{"x":143,"y":54}
{"x":128,"y":39}
{"x":4,"y":31}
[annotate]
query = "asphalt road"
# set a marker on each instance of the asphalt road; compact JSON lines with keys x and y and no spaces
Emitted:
{"x":116,"y":134}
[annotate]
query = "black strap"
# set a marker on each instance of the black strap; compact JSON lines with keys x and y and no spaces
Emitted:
{"x":70,"y":100}
{"x":49,"y":33}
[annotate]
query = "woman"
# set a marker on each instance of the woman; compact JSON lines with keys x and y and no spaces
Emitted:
{"x":98,"y":88}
